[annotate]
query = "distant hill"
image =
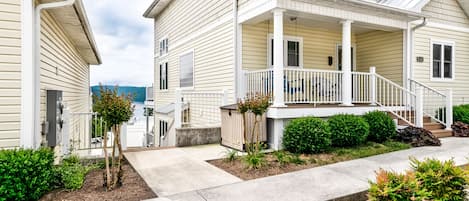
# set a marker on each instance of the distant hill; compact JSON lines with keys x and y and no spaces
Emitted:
{"x":138,"y":92}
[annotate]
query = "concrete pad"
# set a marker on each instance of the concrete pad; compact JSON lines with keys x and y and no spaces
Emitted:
{"x":298,"y":186}
{"x":206,"y":152}
{"x":172,"y":171}
{"x":331,"y":181}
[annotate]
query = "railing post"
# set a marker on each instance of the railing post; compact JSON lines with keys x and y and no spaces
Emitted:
{"x":224,"y":99}
{"x":178,"y":109}
{"x":449,"y":108}
{"x":373,"y":85}
{"x":419,"y":107}
{"x":66,"y":132}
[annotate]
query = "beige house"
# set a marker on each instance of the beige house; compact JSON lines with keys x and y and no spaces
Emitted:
{"x":315,"y":57}
{"x":58,"y":58}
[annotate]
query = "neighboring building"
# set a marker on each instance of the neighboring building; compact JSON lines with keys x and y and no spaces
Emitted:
{"x":67,"y":49}
{"x":418,"y":50}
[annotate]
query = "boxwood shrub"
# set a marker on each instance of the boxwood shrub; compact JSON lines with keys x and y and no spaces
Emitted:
{"x":307,"y":135}
{"x":461,"y":113}
{"x":382,"y":127}
{"x":25,"y":174}
{"x":348,"y":130}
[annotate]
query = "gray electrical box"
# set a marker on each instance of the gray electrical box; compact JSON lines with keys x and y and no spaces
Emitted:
{"x":55,"y":122}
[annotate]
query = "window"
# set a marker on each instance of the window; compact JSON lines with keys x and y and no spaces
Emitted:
{"x":164,"y":46}
{"x":163,"y":128}
{"x":293,"y":51}
{"x":339,"y":58}
{"x":164,"y":76}
{"x":442,"y":60}
{"x":186,"y":73}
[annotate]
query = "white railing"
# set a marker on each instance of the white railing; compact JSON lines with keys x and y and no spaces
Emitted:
{"x":312,"y":86}
{"x":259,"y":82}
{"x":195,"y":109}
{"x":300,"y":85}
{"x":401,"y":102}
{"x":436,"y":105}
{"x":85,"y":131}
{"x":362,"y":87}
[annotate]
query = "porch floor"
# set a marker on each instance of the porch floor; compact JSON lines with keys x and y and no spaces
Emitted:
{"x":322,"y":105}
{"x":321,"y":110}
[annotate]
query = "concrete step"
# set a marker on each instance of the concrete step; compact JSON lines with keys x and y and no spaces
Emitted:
{"x":442,"y":133}
{"x":433,"y":126}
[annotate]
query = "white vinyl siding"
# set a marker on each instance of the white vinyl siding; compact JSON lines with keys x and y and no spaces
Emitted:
{"x":315,"y":47}
{"x":447,"y":12}
{"x":384,"y":50}
{"x":186,"y":71}
{"x":10,"y":73}
{"x":62,"y":68}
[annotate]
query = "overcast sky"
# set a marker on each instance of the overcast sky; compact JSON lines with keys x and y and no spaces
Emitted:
{"x":124,"y":39}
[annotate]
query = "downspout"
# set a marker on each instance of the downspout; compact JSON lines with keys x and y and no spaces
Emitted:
{"x":37,"y":63}
{"x":411,"y":39}
{"x":237,"y":71}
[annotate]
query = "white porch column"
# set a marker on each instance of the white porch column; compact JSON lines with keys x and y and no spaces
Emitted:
{"x":278,"y":59}
{"x":346,"y":63}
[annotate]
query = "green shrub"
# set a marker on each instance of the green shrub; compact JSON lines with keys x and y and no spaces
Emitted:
{"x":231,"y":155}
{"x":429,"y":180}
{"x":25,"y":174}
{"x":390,"y":186}
{"x":71,"y":173}
{"x":461,"y":113}
{"x":382,"y":127}
{"x":444,"y":180}
{"x":307,"y":135}
{"x":348,"y":130}
{"x":281,"y":157}
{"x":255,"y":160}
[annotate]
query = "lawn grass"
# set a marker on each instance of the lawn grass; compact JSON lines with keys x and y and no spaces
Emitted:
{"x":369,"y":149}
{"x":282,"y":161}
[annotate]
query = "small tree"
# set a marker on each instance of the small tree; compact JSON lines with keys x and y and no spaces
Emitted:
{"x":115,"y":109}
{"x":257,"y":105}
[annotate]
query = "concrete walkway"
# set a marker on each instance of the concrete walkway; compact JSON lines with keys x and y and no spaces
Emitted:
{"x":176,"y":170}
{"x":327,"y":182}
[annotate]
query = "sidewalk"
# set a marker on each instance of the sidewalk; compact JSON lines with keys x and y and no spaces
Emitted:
{"x":327,"y":182}
{"x":176,"y":170}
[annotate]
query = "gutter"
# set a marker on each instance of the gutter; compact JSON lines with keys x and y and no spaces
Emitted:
{"x":411,"y":41}
{"x":390,"y":8}
{"x":37,"y":64}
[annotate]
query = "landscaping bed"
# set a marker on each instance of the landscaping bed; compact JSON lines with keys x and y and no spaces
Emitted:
{"x":284,"y":162}
{"x":134,"y":188}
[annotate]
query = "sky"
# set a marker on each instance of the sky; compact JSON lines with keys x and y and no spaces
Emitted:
{"x":125,"y":42}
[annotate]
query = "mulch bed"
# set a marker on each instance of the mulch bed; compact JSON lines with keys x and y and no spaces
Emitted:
{"x":134,"y":189}
{"x":238,"y":167}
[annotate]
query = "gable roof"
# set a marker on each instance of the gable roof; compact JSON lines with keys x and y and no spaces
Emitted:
{"x":414,"y":6}
{"x":74,"y":22}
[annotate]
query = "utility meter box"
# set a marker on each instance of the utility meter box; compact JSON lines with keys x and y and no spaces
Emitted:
{"x":55,"y":109}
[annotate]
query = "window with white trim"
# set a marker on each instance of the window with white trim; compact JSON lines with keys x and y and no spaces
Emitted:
{"x":164,"y":76}
{"x":164,"y":46}
{"x":186,"y":70}
{"x":163,"y":128}
{"x":442,"y":60}
{"x":292,"y":51}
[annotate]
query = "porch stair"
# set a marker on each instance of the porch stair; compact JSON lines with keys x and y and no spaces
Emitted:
{"x":436,"y":128}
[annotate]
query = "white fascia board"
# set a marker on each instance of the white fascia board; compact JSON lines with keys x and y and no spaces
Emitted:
{"x":256,"y":8}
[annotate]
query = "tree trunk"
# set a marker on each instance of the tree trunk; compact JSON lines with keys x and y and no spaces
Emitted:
{"x":121,"y":156}
{"x":246,"y":143}
{"x":106,"y":160}
{"x":114,"y":170}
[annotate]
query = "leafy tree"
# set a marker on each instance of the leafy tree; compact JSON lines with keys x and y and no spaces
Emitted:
{"x":115,"y":109}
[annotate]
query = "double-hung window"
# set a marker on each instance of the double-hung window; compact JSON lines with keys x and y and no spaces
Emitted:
{"x":442,"y":60}
{"x":164,"y":76}
{"x":186,"y":71}
{"x":164,"y":46}
{"x":292,"y":51}
{"x":163,"y":128}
